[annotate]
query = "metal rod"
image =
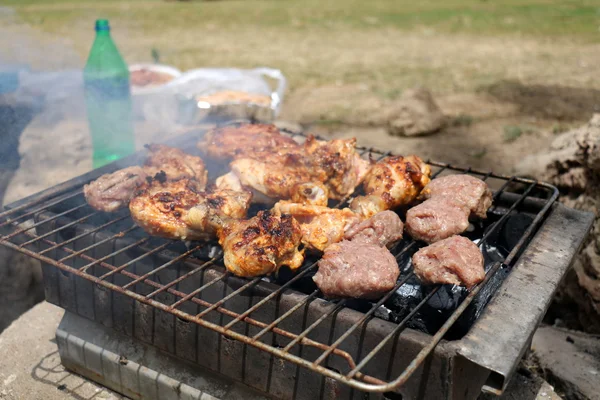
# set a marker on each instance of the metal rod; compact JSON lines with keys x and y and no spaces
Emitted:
{"x":199,"y":290}
{"x":28,"y":228}
{"x":165,"y":265}
{"x":130,"y":262}
{"x":248,"y":285}
{"x":401,"y":325}
{"x":84,"y":234}
{"x":338,"y":306}
{"x":99,"y":260}
{"x":33,"y":203}
{"x":77,"y":221}
{"x":183,"y":277}
{"x":289,"y":312}
{"x":272,"y":295}
{"x":367,"y":315}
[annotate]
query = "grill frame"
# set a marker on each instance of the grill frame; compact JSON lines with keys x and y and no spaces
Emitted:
{"x":371,"y":384}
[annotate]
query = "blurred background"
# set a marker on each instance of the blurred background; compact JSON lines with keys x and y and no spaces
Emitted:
{"x":506,"y":85}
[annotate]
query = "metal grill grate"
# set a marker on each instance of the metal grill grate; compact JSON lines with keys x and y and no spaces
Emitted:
{"x":52,"y":226}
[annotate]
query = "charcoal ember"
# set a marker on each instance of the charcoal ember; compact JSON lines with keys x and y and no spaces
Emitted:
{"x":513,"y":229}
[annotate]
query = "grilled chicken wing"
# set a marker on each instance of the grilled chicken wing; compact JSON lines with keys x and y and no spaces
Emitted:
{"x":113,"y":191}
{"x":392,"y":182}
{"x":176,"y":164}
{"x":230,"y":142}
{"x":262,"y":244}
{"x":321,"y":226}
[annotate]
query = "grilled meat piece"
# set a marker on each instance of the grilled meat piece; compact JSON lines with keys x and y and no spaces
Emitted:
{"x":358,"y":270}
{"x":262,"y":244}
{"x":113,"y":191}
{"x":176,"y":164}
{"x":271,"y":164}
{"x":321,"y":226}
{"x":315,"y":194}
{"x":463,"y":189}
{"x":269,"y":178}
{"x":455,"y":260}
{"x":436,"y":219}
{"x":336,"y":164}
{"x":217,"y":208}
{"x":392,"y":182}
{"x":231,"y":142}
{"x":161,"y":207}
{"x":384,"y":229}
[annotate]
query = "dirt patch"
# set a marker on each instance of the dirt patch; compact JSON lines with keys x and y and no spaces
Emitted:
{"x":548,"y":101}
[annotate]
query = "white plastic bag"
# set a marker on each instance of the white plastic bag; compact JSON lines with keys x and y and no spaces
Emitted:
{"x":239,"y":92}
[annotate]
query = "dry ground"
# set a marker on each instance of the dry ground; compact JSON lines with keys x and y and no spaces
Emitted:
{"x":509,"y":74}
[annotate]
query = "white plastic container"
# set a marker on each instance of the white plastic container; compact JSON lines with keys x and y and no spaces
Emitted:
{"x":154,"y":102}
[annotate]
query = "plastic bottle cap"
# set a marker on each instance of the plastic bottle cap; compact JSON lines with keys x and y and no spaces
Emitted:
{"x":102,"y":25}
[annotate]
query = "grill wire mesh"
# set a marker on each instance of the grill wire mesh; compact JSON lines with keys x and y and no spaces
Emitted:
{"x":61,"y":230}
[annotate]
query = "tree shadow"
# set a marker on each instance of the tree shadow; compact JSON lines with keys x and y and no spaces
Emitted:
{"x":51,"y":372}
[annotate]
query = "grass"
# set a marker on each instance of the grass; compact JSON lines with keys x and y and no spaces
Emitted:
{"x":537,"y":17}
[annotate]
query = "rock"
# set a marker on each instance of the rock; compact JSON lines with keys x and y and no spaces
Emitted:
{"x":416,"y":114}
{"x":570,"y":360}
{"x":572,"y":163}
{"x":525,"y":387}
{"x":20,"y":285}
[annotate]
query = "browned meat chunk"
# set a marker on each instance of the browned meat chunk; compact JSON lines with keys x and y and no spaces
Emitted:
{"x":161,"y":207}
{"x":436,"y":219}
{"x":236,"y":141}
{"x":455,"y":261}
{"x":262,"y":244}
{"x":176,"y":164}
{"x":358,"y":270}
{"x":384,"y":228}
{"x":113,"y":191}
{"x":392,"y":182}
{"x":463,"y":189}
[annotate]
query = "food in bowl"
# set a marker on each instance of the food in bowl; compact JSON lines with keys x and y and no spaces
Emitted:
{"x":145,"y":77}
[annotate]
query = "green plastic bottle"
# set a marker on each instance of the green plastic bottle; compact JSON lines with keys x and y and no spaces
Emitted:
{"x":108,"y":99}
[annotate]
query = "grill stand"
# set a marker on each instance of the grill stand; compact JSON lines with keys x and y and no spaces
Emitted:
{"x":457,"y":370}
{"x":135,"y":369}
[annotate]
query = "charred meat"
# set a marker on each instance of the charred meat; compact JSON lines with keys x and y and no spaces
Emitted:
{"x":176,"y":164}
{"x":161,"y":208}
{"x":455,"y":261}
{"x":392,"y":182}
{"x":217,"y":208}
{"x":262,"y":244}
{"x":231,"y":142}
{"x":113,"y":191}
{"x":350,"y":269}
{"x":321,"y":226}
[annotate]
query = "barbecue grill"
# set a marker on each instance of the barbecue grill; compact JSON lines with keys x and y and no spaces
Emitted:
{"x":278,"y":334}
